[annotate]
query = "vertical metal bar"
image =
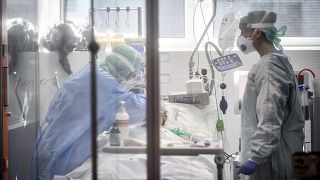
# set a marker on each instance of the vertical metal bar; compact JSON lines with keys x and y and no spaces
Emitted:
{"x":315,"y":123}
{"x":6,"y":83}
{"x":93,"y":117}
{"x":139,"y":22}
{"x":3,"y":108}
{"x":153,"y":125}
{"x":1,"y":104}
{"x":65,"y":7}
{"x":61,"y":9}
{"x":37,"y":104}
{"x":93,"y":47}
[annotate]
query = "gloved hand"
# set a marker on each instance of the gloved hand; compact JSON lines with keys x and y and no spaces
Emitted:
{"x":247,"y":168}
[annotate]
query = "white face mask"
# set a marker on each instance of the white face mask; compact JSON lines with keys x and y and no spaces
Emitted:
{"x":245,"y":44}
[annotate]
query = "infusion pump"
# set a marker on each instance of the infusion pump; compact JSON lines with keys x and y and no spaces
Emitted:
{"x":198,"y":99}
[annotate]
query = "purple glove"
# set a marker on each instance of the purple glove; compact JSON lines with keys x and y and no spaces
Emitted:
{"x":247,"y":168}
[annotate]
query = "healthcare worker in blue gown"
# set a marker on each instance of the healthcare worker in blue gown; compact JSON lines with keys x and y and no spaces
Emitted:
{"x":271,"y":120}
{"x":63,"y":142}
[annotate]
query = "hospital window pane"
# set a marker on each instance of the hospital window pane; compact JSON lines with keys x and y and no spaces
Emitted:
{"x":172,"y":16}
{"x":300,"y":16}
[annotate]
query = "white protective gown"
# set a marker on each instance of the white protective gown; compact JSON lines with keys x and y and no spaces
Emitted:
{"x":271,"y":120}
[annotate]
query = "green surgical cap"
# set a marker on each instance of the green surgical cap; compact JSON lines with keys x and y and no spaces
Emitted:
{"x":123,"y":63}
{"x":272,"y":34}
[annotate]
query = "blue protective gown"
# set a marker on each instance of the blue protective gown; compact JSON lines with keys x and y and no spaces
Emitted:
{"x":271,"y":120}
{"x":63,"y":142}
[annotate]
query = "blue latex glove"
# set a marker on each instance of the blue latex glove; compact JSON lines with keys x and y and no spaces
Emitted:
{"x":247,"y":168}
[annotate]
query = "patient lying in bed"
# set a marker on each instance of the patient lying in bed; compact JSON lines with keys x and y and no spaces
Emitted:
{"x":133,"y":166}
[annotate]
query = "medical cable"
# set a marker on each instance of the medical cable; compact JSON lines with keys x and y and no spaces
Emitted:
{"x":193,"y":19}
{"x":211,"y":66}
{"x":191,"y":62}
{"x":177,"y":138}
{"x":205,"y":24}
{"x":204,"y":20}
{"x":193,"y":31}
{"x":219,"y":123}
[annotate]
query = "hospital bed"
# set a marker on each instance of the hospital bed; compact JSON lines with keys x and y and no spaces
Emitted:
{"x":179,"y":160}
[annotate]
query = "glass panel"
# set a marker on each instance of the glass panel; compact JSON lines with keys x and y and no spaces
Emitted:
{"x":23,"y":91}
{"x":120,"y":77}
{"x":189,"y":139}
{"x":299,"y":16}
{"x":50,"y":97}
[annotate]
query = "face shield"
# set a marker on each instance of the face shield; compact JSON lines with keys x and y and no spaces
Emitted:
{"x":245,"y":43}
{"x":263,"y":21}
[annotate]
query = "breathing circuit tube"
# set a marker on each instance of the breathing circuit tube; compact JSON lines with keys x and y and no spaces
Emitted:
{"x":211,"y":66}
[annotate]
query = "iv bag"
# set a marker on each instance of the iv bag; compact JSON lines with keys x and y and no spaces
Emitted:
{"x":228,"y":29}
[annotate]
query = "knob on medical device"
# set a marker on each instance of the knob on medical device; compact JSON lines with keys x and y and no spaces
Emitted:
{"x":223,"y":86}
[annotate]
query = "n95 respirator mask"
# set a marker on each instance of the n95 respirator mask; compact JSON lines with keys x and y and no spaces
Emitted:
{"x":245,"y":44}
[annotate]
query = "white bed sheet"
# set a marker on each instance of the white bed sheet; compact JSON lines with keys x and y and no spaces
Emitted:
{"x":133,"y":166}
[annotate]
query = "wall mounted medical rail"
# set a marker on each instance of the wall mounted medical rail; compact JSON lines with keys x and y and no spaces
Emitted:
{"x":118,"y":9}
{"x":179,"y":150}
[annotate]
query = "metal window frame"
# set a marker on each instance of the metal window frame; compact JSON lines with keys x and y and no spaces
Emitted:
{"x":153,"y":124}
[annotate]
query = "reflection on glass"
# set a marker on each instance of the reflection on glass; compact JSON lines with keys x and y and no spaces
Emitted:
{"x":295,"y":14}
{"x":65,"y":127}
{"x":22,"y":34}
{"x":240,"y":80}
